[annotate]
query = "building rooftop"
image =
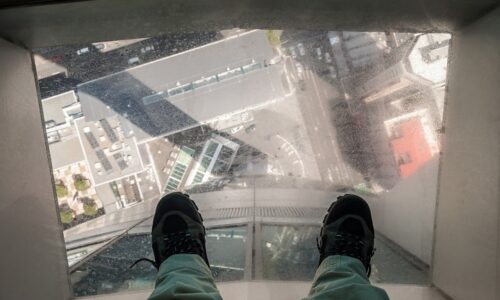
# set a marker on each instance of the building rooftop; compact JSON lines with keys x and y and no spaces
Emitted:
{"x":429,"y":57}
{"x":421,"y":60}
{"x":189,"y":88}
{"x":53,"y":107}
{"x":108,"y":160}
{"x":66,"y":152}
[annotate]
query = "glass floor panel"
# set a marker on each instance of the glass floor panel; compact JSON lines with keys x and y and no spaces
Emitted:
{"x":263,"y":128}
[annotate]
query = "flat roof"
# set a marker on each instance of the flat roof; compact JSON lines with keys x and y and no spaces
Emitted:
{"x":122,"y":93}
{"x":189,"y":109}
{"x":66,"y":152}
{"x":108,"y":199}
{"x":199,"y":61}
{"x":53,"y":106}
{"x":123,"y":161}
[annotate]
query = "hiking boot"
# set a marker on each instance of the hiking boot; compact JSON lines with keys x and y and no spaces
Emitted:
{"x":348,"y":230}
{"x":177,"y":229}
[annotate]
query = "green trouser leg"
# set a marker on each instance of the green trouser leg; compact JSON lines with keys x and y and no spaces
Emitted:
{"x":343,"y":278}
{"x":185,"y":276}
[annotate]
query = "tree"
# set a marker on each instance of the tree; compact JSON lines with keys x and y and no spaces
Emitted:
{"x":61,"y":190}
{"x":89,"y":206}
{"x":81,"y":183}
{"x":90,"y":210}
{"x":66,"y":214}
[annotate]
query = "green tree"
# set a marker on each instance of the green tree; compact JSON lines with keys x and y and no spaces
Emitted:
{"x":90,"y":210}
{"x":66,"y":217}
{"x":66,"y":214}
{"x":61,"y":190}
{"x":89,"y":206}
{"x":81,"y":184}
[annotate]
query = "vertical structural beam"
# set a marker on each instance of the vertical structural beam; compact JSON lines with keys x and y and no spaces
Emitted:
{"x":32,"y":253}
{"x":466,"y":261}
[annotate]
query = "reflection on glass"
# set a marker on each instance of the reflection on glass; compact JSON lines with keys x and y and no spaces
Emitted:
{"x":108,"y":271}
{"x":264,"y":128}
{"x":289,"y":253}
{"x":226,"y":251}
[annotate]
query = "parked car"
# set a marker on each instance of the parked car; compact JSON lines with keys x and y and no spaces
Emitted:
{"x":133,"y":60}
{"x":82,"y":51}
{"x":302,"y":50}
{"x":147,"y":49}
{"x":300,"y":70}
{"x":328,"y":58}
{"x":319,"y":53}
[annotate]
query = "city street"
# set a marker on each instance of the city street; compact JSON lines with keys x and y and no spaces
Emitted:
{"x":316,"y":97}
{"x":279,"y":132}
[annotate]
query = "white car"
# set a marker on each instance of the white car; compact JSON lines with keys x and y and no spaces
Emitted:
{"x":318,"y":53}
{"x":328,"y":58}
{"x":133,"y":60}
{"x":302,"y":50}
{"x":334,"y":40}
{"x":300,"y":70}
{"x":292,"y":52}
{"x":83,"y":51}
{"x":147,"y":49}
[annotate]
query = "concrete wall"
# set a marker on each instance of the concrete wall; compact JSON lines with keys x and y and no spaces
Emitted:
{"x":466,"y":261}
{"x":33,"y":259}
{"x":405,"y":214}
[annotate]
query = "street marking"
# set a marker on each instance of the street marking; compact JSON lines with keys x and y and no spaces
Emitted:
{"x":138,"y":152}
{"x":155,"y":172}
{"x":296,"y":152}
{"x":139,"y":187}
{"x":330,"y":177}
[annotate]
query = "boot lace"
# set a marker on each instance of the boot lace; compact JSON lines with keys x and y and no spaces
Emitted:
{"x":176,"y":243}
{"x":348,"y":244}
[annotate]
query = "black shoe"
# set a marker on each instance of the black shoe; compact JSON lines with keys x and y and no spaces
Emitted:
{"x":348,"y":230}
{"x":177,"y":229}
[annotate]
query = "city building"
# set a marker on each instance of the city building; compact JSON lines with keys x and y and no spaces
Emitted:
{"x":187,"y":89}
{"x":130,"y":115}
{"x":117,"y":170}
{"x":62,"y":68}
{"x":216,"y":159}
{"x":69,"y":164}
{"x":406,"y":103}
{"x":364,"y":49}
